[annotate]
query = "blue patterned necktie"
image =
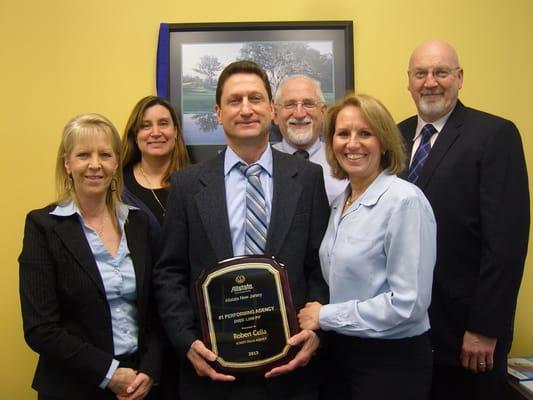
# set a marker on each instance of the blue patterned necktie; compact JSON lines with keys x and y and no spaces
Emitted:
{"x":421,"y":154}
{"x":256,"y":218}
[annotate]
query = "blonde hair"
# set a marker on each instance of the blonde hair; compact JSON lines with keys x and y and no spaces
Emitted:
{"x":382,"y":124}
{"x":81,"y":127}
{"x":131,"y":154}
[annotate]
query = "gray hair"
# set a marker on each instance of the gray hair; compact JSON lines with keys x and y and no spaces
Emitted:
{"x":314,"y":82}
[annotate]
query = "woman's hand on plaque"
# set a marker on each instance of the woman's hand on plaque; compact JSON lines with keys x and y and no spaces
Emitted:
{"x":309,"y":316}
{"x":309,"y":342}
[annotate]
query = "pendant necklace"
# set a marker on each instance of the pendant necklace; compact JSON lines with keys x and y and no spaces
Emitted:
{"x":99,"y":232}
{"x":152,"y":190}
{"x":349,"y":201}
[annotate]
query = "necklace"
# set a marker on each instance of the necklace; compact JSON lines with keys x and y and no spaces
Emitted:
{"x":349,"y":201}
{"x":99,"y":232}
{"x":152,"y":190}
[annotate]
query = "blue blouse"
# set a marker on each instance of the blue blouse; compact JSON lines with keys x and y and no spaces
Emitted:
{"x":118,"y":277}
{"x":378,"y":261}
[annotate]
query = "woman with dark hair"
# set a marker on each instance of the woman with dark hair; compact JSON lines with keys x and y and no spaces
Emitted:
{"x":152,"y":149}
{"x":85,"y":277}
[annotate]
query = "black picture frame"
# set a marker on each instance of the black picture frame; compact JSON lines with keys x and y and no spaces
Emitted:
{"x":322,"y":49}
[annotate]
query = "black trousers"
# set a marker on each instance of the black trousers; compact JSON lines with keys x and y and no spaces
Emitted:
{"x":300,"y":384}
{"x":455,"y":382}
{"x":379,"y":369}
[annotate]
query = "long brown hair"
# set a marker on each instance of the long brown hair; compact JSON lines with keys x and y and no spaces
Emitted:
{"x":131,"y":154}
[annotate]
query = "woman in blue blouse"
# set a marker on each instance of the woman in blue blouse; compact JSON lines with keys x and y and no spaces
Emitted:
{"x":85,"y":277}
{"x":377,"y":257}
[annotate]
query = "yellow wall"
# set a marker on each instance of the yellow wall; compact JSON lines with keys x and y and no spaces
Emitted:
{"x":64,"y":57}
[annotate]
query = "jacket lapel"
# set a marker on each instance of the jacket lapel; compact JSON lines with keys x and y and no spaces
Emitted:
{"x":408,"y":132}
{"x":444,"y":141}
{"x":71,"y":234}
{"x":211,"y":203}
{"x":286,"y":192}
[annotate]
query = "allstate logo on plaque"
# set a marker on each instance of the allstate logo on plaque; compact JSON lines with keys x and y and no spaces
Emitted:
{"x":246,"y":313}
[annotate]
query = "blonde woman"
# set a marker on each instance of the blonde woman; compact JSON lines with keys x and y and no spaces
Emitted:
{"x":85,"y":277}
{"x":377,"y":256}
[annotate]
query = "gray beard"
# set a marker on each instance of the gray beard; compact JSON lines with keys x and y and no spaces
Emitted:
{"x":302,"y":138}
{"x":433,"y":110}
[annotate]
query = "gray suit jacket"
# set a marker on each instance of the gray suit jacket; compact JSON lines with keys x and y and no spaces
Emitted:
{"x":197,"y":236}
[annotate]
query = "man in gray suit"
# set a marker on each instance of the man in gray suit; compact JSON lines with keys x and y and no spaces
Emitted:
{"x":206,"y":223}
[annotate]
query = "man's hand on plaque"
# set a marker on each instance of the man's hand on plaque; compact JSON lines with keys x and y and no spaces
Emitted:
{"x":309,"y":342}
{"x":199,"y":355}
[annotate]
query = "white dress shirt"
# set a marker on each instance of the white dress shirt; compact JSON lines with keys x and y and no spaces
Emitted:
{"x":317,"y":154}
{"x":438,"y":124}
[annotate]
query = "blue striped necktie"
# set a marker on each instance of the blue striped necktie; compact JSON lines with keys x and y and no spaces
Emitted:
{"x":256,"y":218}
{"x":422,"y":153}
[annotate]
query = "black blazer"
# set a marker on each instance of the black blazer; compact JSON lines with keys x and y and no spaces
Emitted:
{"x":65,"y":312}
{"x":476,"y":181}
{"x":197,"y":236}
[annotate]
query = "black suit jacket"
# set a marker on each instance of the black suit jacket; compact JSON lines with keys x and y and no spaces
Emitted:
{"x":476,"y":181}
{"x":66,"y":315}
{"x":197,"y":236}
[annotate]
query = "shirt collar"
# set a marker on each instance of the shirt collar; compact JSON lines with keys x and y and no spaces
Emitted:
{"x":438,"y":124}
{"x":231,"y":159}
{"x":289,"y":148}
{"x":376,"y":189}
{"x":372,"y":193}
{"x":69,"y":208}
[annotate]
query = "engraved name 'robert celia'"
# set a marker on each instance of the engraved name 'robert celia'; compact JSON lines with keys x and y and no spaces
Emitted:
{"x":255,"y":332}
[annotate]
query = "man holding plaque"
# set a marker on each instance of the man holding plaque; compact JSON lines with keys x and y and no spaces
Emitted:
{"x":249,"y":200}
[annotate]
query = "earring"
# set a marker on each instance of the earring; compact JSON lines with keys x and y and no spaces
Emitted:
{"x":69,"y":183}
{"x":114,"y":184}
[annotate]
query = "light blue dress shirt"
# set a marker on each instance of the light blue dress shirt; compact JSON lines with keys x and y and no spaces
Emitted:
{"x":235,"y":182}
{"x":378,"y":261}
{"x":118,"y":277}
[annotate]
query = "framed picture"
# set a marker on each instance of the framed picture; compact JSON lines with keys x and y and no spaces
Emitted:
{"x":191,"y":57}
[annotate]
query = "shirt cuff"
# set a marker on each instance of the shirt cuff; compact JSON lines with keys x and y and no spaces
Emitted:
{"x":324,"y":317}
{"x":112,"y":368}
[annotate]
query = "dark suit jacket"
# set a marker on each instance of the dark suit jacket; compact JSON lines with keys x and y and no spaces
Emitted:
{"x":197,"y":236}
{"x":476,"y":181}
{"x":66,"y":315}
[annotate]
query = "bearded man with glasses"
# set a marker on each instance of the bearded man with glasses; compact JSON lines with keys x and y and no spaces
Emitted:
{"x":299,"y":111}
{"x":471,"y":167}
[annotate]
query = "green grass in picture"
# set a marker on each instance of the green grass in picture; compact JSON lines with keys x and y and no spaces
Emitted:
{"x":198,"y":99}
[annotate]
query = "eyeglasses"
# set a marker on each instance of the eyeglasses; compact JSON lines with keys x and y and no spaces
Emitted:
{"x":437,"y":73}
{"x":307,"y":104}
